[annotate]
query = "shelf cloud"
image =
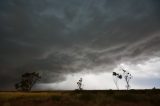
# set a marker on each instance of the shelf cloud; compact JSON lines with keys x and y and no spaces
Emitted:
{"x":60,"y":37}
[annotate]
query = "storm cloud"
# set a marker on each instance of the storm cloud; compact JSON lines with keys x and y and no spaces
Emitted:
{"x":60,"y":37}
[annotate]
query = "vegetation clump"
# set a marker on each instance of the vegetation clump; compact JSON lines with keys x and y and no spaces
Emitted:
{"x":27,"y":81}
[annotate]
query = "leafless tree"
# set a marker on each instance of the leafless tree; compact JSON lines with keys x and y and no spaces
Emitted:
{"x":127,"y":76}
{"x":116,"y":77}
{"x":79,"y":83}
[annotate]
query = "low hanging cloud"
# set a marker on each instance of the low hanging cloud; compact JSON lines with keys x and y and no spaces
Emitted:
{"x":59,"y":37}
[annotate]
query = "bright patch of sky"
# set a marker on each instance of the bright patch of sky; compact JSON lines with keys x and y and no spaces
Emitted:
{"x":145,"y":76}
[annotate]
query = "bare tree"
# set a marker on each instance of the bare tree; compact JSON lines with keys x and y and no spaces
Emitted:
{"x":127,"y":77}
{"x":116,"y":77}
{"x":79,"y":83}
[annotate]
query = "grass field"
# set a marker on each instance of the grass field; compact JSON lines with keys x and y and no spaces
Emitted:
{"x":81,"y":98}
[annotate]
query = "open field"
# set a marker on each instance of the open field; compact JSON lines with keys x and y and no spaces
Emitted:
{"x":81,"y":98}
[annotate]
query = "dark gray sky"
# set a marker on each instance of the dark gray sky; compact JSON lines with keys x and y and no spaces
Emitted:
{"x":62,"y":37}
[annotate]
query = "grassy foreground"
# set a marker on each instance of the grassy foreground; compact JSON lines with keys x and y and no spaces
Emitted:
{"x":81,"y":98}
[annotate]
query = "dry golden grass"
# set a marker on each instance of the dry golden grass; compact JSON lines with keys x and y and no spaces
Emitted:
{"x":81,"y":98}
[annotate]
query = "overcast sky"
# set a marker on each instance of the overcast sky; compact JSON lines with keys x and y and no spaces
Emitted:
{"x":65,"y":40}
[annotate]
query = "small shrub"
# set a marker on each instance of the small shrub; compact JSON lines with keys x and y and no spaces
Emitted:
{"x":110,"y":91}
